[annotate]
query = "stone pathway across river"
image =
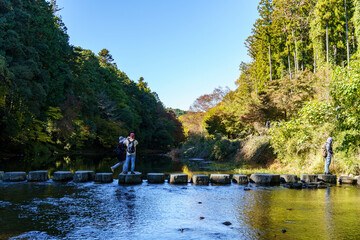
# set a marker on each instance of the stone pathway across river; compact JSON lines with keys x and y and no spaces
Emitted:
{"x":287,"y":180}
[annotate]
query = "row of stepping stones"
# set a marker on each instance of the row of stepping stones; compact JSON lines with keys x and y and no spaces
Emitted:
{"x":59,"y":176}
{"x":288,"y":180}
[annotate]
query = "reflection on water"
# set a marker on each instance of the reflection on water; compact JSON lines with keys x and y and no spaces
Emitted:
{"x":53,"y":210}
{"x":109,"y":211}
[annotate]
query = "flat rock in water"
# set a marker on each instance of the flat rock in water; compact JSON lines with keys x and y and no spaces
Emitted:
{"x":200,"y":179}
{"x":240,"y":179}
{"x":288,"y":178}
{"x":156,"y":178}
{"x":328,"y":178}
{"x":309,"y":178}
{"x":129,"y":178}
{"x":1,"y":175}
{"x":14,"y":176}
{"x":38,"y":176}
{"x":178,"y":178}
{"x":63,"y":176}
{"x":265,"y":178}
{"x":357,"y":180}
{"x":103,"y":177}
{"x":346,"y":180}
{"x":84,"y":176}
{"x":220,"y":178}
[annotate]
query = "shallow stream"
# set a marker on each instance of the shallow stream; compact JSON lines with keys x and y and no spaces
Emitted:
{"x":52,"y":210}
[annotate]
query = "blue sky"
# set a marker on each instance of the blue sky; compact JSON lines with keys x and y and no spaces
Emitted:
{"x":182,"y":48}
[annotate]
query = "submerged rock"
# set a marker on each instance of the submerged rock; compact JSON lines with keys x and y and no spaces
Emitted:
{"x":227,"y":223}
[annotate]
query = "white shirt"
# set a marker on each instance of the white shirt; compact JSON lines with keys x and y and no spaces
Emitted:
{"x":126,"y":142}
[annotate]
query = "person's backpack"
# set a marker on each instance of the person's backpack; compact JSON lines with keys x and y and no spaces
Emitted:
{"x":324,"y":151}
{"x":131,"y":147}
{"x":120,"y":148}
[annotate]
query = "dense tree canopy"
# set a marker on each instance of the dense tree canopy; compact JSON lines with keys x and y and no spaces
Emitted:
{"x":300,"y":87}
{"x":57,"y":96}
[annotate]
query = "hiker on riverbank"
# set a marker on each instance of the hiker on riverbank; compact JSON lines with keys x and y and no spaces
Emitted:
{"x":328,"y":154}
{"x":120,"y":153}
{"x":131,"y":144}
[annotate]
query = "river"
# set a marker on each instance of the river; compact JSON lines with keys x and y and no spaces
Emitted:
{"x":53,"y":210}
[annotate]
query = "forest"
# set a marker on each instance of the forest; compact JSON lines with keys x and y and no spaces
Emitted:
{"x":55,"y":97}
{"x":301,"y":86}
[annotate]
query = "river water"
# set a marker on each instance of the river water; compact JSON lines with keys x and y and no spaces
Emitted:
{"x":53,"y":210}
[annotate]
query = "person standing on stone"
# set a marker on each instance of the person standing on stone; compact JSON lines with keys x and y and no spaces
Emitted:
{"x":329,"y":154}
{"x":120,"y":153}
{"x":131,"y":144}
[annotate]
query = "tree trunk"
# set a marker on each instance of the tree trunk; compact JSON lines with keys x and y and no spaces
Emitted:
{"x":347,"y":39}
{"x":289,"y":61}
{"x":296,"y":63}
{"x":335,"y":52}
{"x":270,"y":62}
{"x":314,"y":61}
{"x":256,"y":85}
{"x":327,"y":41}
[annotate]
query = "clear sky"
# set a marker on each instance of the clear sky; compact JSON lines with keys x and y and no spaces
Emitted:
{"x":182,"y":48}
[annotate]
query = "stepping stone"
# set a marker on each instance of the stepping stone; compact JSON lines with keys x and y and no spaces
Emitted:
{"x":327,"y":178}
{"x":309,"y":178}
{"x":343,"y":180}
{"x":63,"y":176}
{"x":288,"y":178}
{"x":357,"y":180}
{"x":1,"y":175}
{"x":178,"y":178}
{"x":104,"y":177}
{"x":156,"y":178}
{"x":240,"y":179}
{"x":38,"y":176}
{"x":84,"y":176}
{"x":130,"y":178}
{"x":265,"y":178}
{"x":14,"y":176}
{"x":220,"y":178}
{"x":200,"y":179}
